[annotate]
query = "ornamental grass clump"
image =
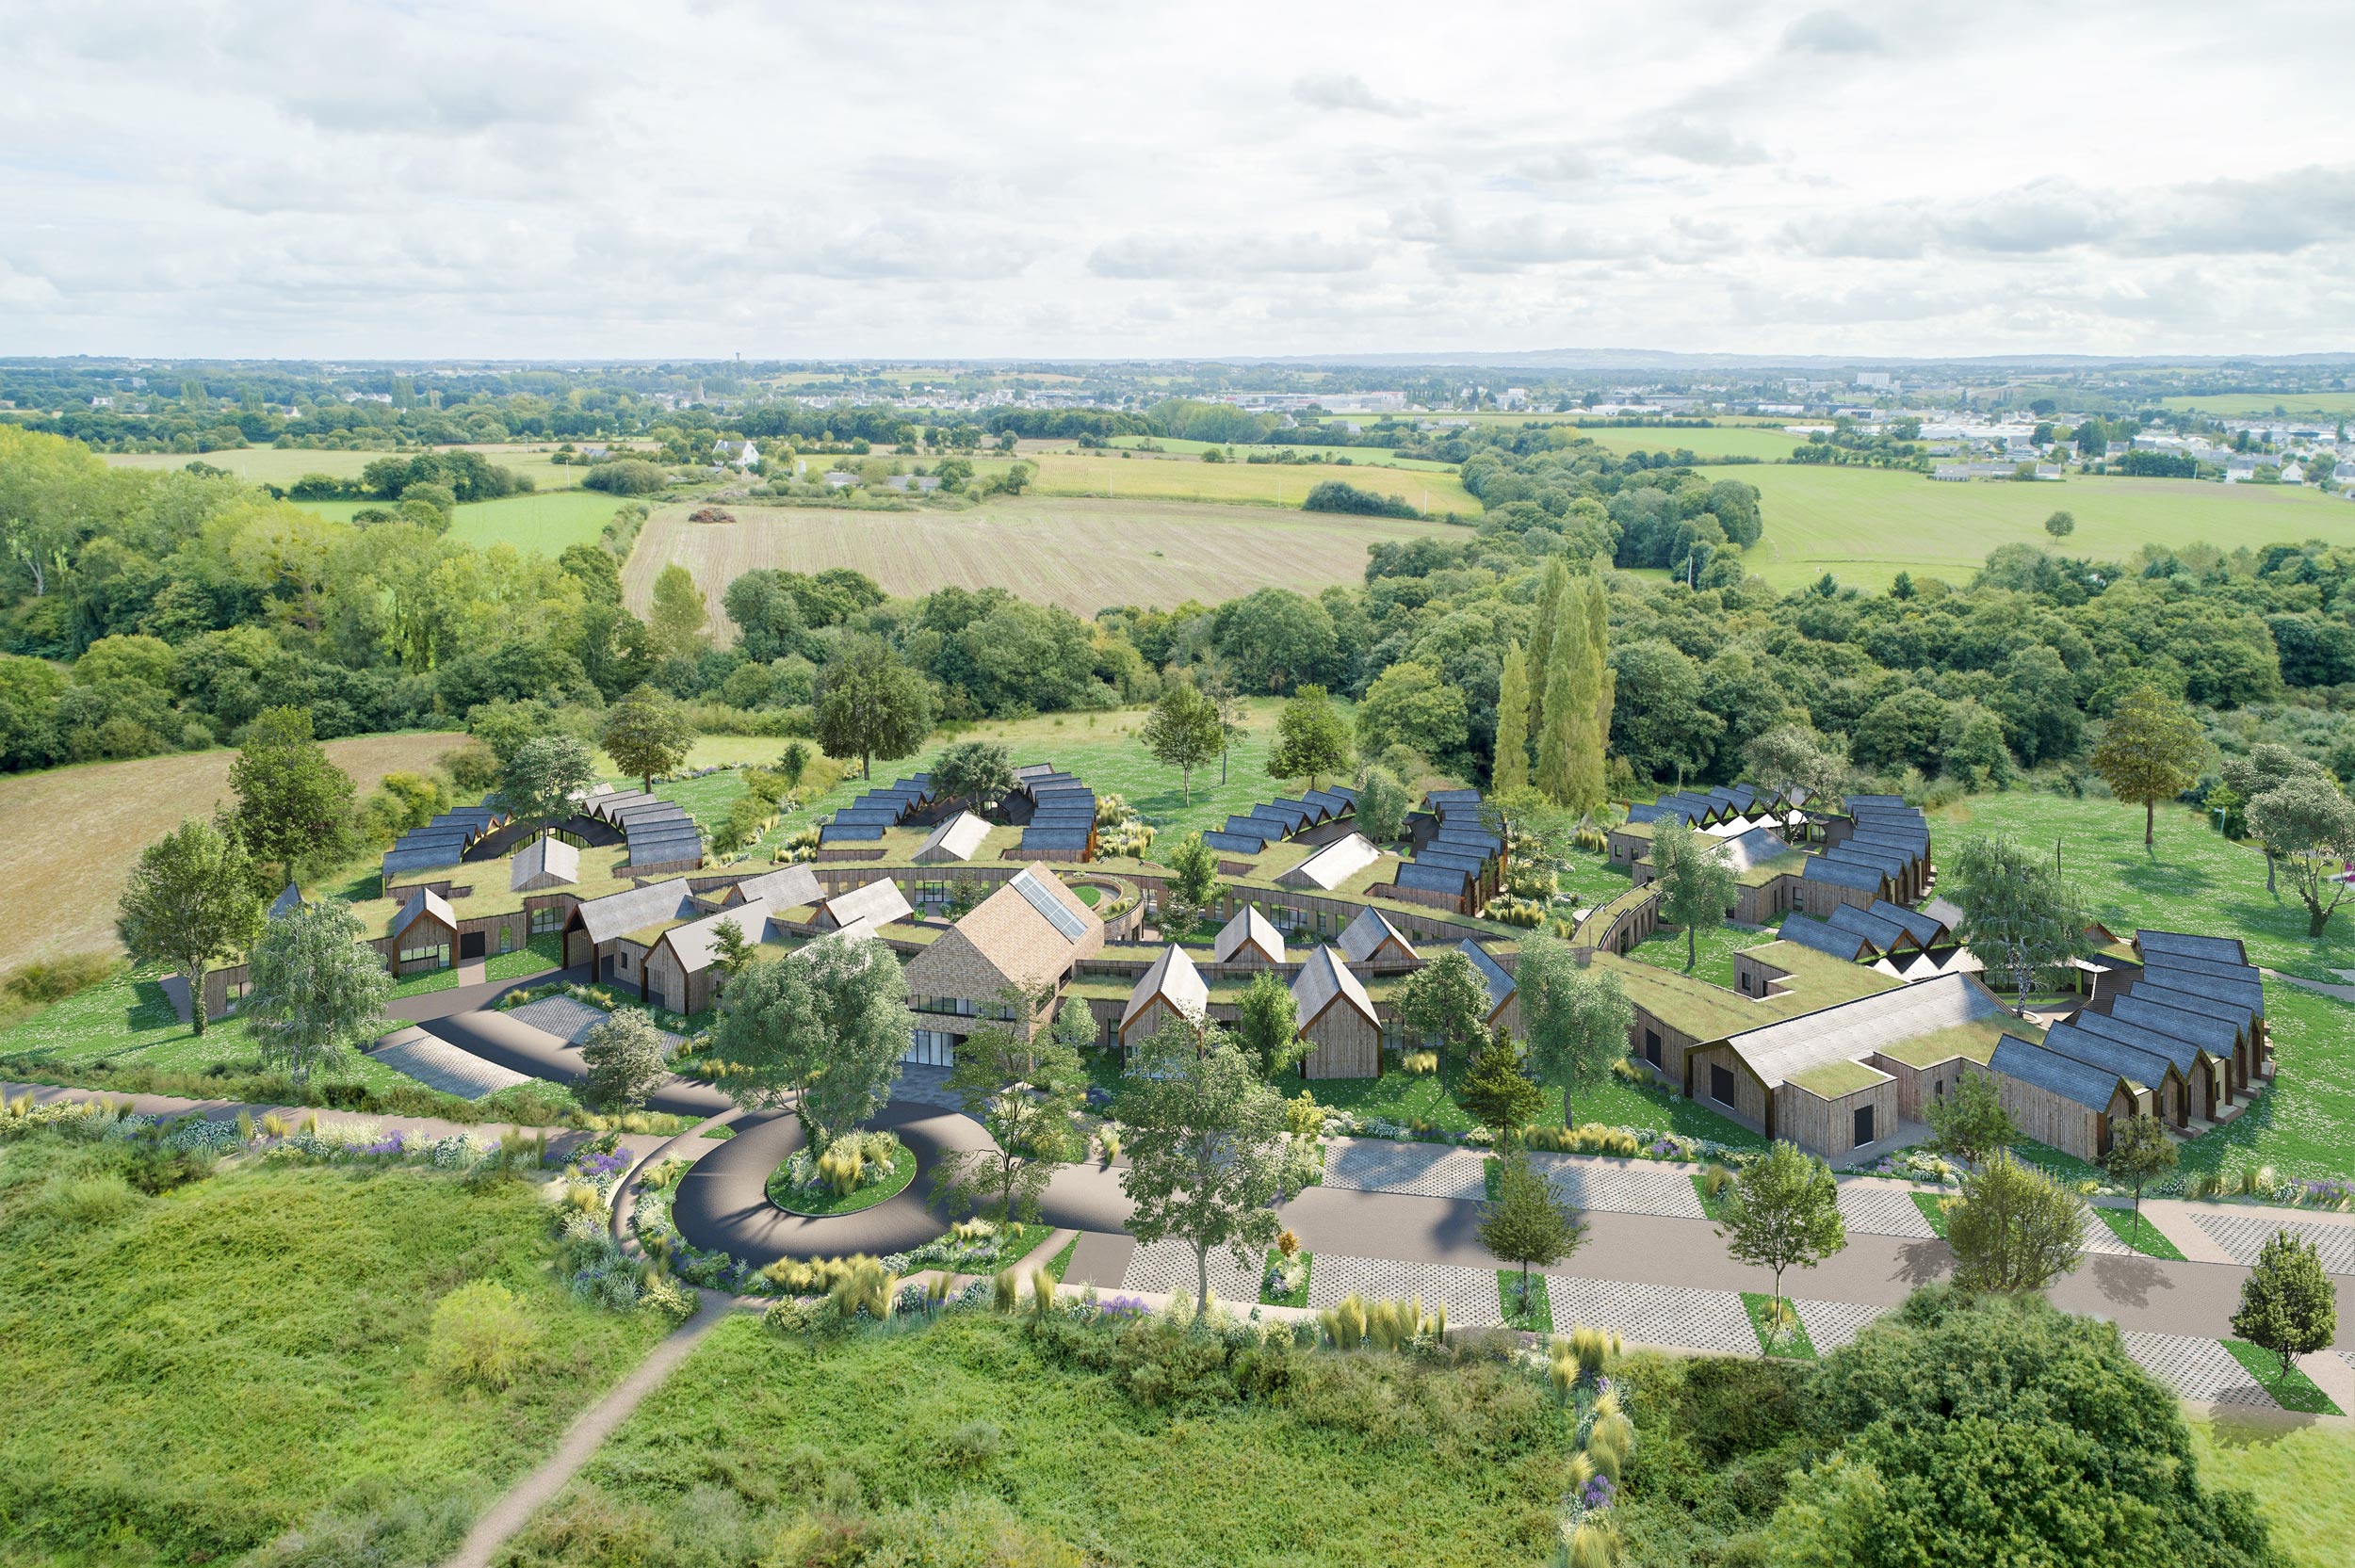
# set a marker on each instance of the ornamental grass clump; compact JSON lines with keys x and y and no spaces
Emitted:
{"x":482,"y":1336}
{"x":865,"y":1289}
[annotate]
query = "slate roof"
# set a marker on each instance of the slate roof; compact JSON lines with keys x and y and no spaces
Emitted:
{"x":1808,"y":932}
{"x":1324,"y":980}
{"x":287,"y":901}
{"x":1249,"y":928}
{"x":1364,"y":936}
{"x":786,"y":887}
{"x":695,"y":942}
{"x":1333,"y":802}
{"x":2176,"y":1035}
{"x":1335,"y":863}
{"x":1947,"y":913}
{"x":2233,"y":1011}
{"x":1926,"y":928}
{"x":2144,"y":1069}
{"x":1252,"y":827}
{"x":2078,"y":1082}
{"x":853,"y":833}
{"x":1501,"y":985}
{"x":1885,"y":935}
{"x":1843,"y":874}
{"x":1174,"y":980}
{"x":619,"y":914}
{"x":423,"y":900}
{"x":545,"y":856}
{"x":1241,"y":844}
{"x":1850,"y":1031}
{"x":1432,"y":879}
{"x":880,"y":900}
{"x":2248,"y":973}
{"x":2248,"y":994}
{"x":2216,"y":949}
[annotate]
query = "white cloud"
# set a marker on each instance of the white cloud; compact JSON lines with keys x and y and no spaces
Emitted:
{"x":364,"y":178}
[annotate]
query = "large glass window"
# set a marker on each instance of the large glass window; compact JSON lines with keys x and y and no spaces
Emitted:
{"x":931,"y":1048}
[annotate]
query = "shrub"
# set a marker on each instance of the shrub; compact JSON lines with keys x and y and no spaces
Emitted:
{"x":792,"y":1316}
{"x":627,"y":477}
{"x":481,"y":1335}
{"x":1338,"y":495}
{"x":55,"y":979}
{"x":666,"y":1298}
{"x":90,"y":1200}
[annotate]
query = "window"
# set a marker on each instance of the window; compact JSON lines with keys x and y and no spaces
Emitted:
{"x":622,"y":959}
{"x":931,"y":1048}
{"x":1721,"y":1084}
{"x":1651,"y":1047}
{"x":1742,"y":979}
{"x":549,"y":917}
{"x":507,"y":938}
{"x":1863,"y":1124}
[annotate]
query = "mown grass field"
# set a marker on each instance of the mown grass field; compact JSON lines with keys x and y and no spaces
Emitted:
{"x":962,"y":1432}
{"x":1173,"y":477}
{"x":1736,"y":442}
{"x":545,"y":522}
{"x":2198,"y":881}
{"x":281,"y":466}
{"x":1359,"y":456}
{"x":74,"y":834}
{"x":1084,"y":554}
{"x":2336,"y":405}
{"x":2303,"y":1475}
{"x":1865,"y":526}
{"x":188,"y":1375}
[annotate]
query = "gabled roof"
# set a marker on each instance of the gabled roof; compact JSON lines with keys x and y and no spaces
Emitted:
{"x":2246,"y":973}
{"x":954,"y":839}
{"x":2144,"y":1069}
{"x":1253,"y":827}
{"x":286,"y":902}
{"x":1924,"y":927}
{"x":1010,"y":932}
{"x":695,"y":942}
{"x":617,"y":914}
{"x":1174,"y":980}
{"x":2248,"y":994}
{"x":1248,"y":928}
{"x":1887,"y":935}
{"x":545,"y":856}
{"x":1755,"y":847}
{"x":1492,"y":974}
{"x":423,"y":900}
{"x":1808,"y":932}
{"x":1947,"y":913}
{"x":2178,"y":1036}
{"x":1850,"y":1031}
{"x":2233,"y":1009}
{"x":880,"y":900}
{"x":786,"y":887}
{"x":1366,"y":934}
{"x":2079,"y":1082}
{"x":1335,"y":863}
{"x":2216,"y":949}
{"x":1449,"y":879}
{"x":1324,"y":980}
{"x":1865,"y":879}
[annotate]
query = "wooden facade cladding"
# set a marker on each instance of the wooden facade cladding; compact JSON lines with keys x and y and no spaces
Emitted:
{"x":2058,"y":1121}
{"x":1348,"y":1043}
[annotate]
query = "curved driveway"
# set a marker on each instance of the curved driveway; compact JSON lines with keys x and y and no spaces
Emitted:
{"x":503,"y":1038}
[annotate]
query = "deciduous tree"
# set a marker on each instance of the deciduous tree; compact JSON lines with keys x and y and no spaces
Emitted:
{"x":2140,"y":1152}
{"x":1311,"y":738}
{"x":1784,"y":1212}
{"x":824,"y":1026}
{"x":1382,"y":805}
{"x":1448,"y":1000}
{"x":2287,"y":1303}
{"x":1183,"y":732}
{"x":545,"y":775}
{"x":1578,"y":1020}
{"x":1192,"y":887}
{"x":625,"y":1058}
{"x":1791,"y":757}
{"x":295,"y":810}
{"x":1969,"y":1121}
{"x":2015,"y":1229}
{"x":979,"y":772}
{"x":1267,"y":1025}
{"x":315,"y":996}
{"x":678,"y":615}
{"x":1207,"y":1154}
{"x":2017,"y":910}
{"x":2308,"y":825}
{"x":647,"y":733}
{"x":872,"y":705}
{"x":1698,"y":883}
{"x":1526,"y":1222}
{"x":2151,"y":752}
{"x":190,"y":904}
{"x":1021,"y":1081}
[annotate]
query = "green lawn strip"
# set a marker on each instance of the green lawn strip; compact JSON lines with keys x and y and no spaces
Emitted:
{"x":1793,"y":1341}
{"x":1928,"y":1204}
{"x":1664,"y":950}
{"x":161,"y":1407}
{"x":865,"y":1196}
{"x":1060,"y":1263}
{"x":426,"y":982}
{"x":971,"y":1414}
{"x":1019,"y":1241}
{"x":2303,"y":1475}
{"x":2144,"y":1239}
{"x":543,"y":952}
{"x":721,"y":1132}
{"x":1269,"y":1297}
{"x":1535,"y":1316}
{"x":1714,"y":1208}
{"x":2064,"y":1166}
{"x":2291,"y":1390}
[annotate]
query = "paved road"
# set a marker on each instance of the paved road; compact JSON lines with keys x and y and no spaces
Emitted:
{"x":503,"y":1038}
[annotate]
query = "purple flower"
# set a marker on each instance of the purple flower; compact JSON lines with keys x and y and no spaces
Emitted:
{"x":1598,"y":1493}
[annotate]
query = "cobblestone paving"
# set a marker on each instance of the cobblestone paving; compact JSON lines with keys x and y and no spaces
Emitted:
{"x":1422,"y":1170}
{"x":1831,"y":1324}
{"x":1470,"y":1294}
{"x":1168,"y":1267}
{"x":438,"y":1064}
{"x":2196,"y":1368}
{"x":1620,"y":1188}
{"x":2100,"y":1238}
{"x":570,"y":1019}
{"x":1880,"y":1211}
{"x":1654,"y":1314}
{"x":2244,"y":1234}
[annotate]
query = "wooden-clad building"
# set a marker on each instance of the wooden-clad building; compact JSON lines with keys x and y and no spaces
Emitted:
{"x":1249,"y":938}
{"x":1172,"y":988}
{"x":2057,"y":1100}
{"x":1371,"y":939}
{"x":1338,"y":1018}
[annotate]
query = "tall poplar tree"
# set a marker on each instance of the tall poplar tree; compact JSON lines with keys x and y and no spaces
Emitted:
{"x":1561,"y":725}
{"x":1512,"y":757}
{"x":1553,"y":585}
{"x":1606,"y":680}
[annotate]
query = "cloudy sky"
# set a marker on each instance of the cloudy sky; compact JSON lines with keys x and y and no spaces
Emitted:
{"x":895,"y":179}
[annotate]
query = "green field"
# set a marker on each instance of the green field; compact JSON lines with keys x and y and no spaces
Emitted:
{"x":1864,"y":526}
{"x":1743,"y":442}
{"x":2200,"y":881}
{"x":545,"y":522}
{"x":961,"y":1441}
{"x":1359,"y":456}
{"x":284,"y":466}
{"x":2303,"y":1474}
{"x":188,"y":1375}
{"x":2335,"y":405}
{"x":1270,"y":484}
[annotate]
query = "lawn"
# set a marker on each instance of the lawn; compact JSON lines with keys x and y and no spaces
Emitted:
{"x":2303,"y":1475}
{"x":282,"y":466}
{"x":1434,"y":491}
{"x":1083,"y":554}
{"x":547,"y":522}
{"x":74,"y":832}
{"x":1788,"y":1340}
{"x":1740,"y":441}
{"x":2334,"y":405}
{"x":2192,"y":879}
{"x":2144,"y":1238}
{"x":188,"y":1376}
{"x":1864,"y":526}
{"x":2292,"y":1390}
{"x":912,"y":1434}
{"x":1664,"y":950}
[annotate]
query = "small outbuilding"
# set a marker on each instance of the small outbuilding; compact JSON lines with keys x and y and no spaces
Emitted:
{"x":959,"y":838}
{"x":1172,"y":988}
{"x":546,"y":862}
{"x":1250,"y":937}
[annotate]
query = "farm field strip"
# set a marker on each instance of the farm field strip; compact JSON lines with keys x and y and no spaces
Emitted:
{"x":1266,"y":484}
{"x":1359,"y":456}
{"x":1865,"y":526}
{"x":545,"y":522}
{"x":1082,"y":554}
